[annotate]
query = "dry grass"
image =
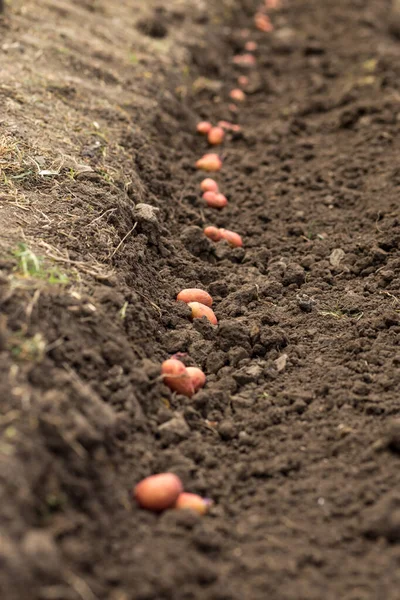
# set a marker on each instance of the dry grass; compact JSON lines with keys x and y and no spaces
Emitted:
{"x":13,"y":161}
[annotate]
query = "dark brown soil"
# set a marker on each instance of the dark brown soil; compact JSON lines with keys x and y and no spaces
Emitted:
{"x":295,"y":435}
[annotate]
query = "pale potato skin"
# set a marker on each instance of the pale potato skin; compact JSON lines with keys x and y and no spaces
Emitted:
{"x":200,"y":310}
{"x":204,"y":127}
{"x":246,"y":60}
{"x":220,"y":201}
{"x":195,"y":295}
{"x":238,"y":95}
{"x":187,"y":501}
{"x":216,"y":136}
{"x":213,"y":233}
{"x":209,"y":185}
{"x":209,"y":197}
{"x":197,"y":376}
{"x":209,"y":162}
{"x":158,"y":492}
{"x":214,"y":200}
{"x":234,"y":239}
{"x":176,"y":377}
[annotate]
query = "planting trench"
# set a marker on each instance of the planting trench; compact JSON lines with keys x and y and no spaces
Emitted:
{"x":295,"y":435}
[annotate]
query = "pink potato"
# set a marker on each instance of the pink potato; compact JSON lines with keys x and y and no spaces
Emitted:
{"x":229,"y":126}
{"x":213,"y":233}
{"x":209,"y":162}
{"x":216,"y":136}
{"x":201,"y":310}
{"x":251,"y":46}
{"x":220,"y":201}
{"x":197,"y":376}
{"x":158,"y":492}
{"x":209,"y":185}
{"x":237,"y":95}
{"x":215,"y":200}
{"x":209,"y":197}
{"x":244,"y":60}
{"x":234,"y":239}
{"x":204,"y":127}
{"x":193,"y":502}
{"x":195,"y":295}
{"x":176,"y":377}
{"x":263,"y":22}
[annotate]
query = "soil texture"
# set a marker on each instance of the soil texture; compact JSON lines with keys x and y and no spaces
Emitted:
{"x":296,"y":435}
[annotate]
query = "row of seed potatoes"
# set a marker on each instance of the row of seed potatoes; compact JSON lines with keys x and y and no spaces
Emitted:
{"x":165,"y":491}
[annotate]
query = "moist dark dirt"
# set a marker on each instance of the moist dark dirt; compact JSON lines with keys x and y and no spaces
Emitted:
{"x":295,"y":435}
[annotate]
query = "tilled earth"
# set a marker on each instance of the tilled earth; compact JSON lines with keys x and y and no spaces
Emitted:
{"x":295,"y":435}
